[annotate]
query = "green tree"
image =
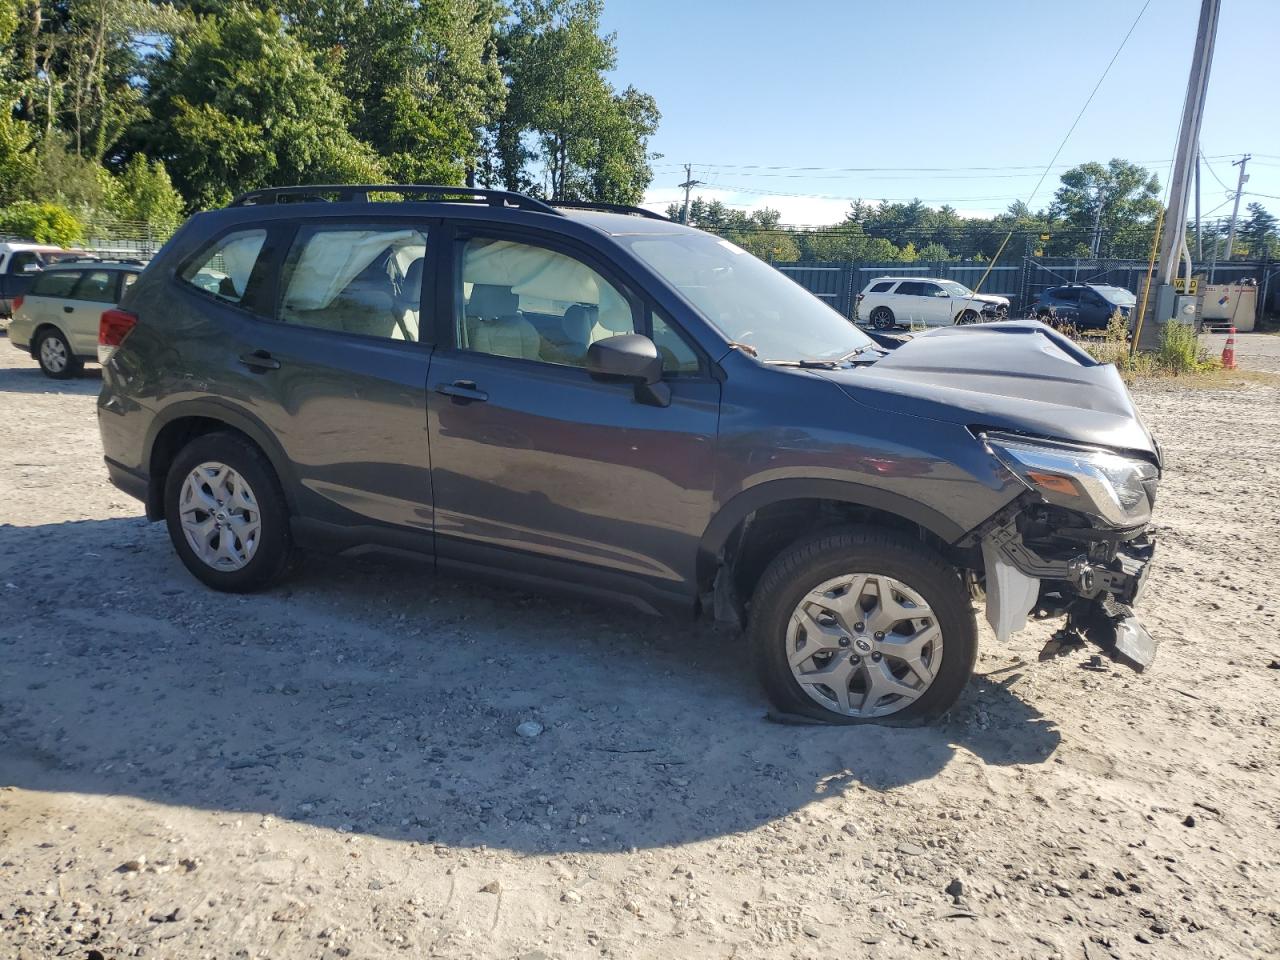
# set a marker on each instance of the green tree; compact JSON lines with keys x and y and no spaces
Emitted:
{"x":423,"y":77}
{"x":562,"y":114}
{"x":143,"y":192}
{"x":239,"y":103}
{"x":1258,"y":232}
{"x":42,"y":223}
{"x":1122,"y":197}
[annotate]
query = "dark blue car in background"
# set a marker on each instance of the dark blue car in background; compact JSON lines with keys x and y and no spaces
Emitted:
{"x":1085,"y":306}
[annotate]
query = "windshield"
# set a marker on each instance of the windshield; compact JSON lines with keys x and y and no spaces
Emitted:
{"x":1117,"y":295}
{"x":955,"y":289}
{"x":747,"y":300}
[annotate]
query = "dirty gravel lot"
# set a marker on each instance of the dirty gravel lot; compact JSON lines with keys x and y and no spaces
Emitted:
{"x":332,"y":769}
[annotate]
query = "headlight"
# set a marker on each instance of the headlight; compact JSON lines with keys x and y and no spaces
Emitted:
{"x":1118,"y":490}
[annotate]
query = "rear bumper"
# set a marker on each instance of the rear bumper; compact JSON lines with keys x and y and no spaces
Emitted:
{"x":135,"y":484}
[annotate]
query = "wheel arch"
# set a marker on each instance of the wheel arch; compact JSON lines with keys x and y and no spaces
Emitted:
{"x":757,"y":522}
{"x":183,"y":422}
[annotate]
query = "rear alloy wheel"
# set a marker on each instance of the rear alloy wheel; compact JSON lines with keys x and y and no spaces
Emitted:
{"x":54,"y":355}
{"x":863,"y":625}
{"x":968,"y":316}
{"x":882,"y":318}
{"x":226,"y":515}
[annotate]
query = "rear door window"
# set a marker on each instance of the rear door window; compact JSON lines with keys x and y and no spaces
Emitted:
{"x":1068,"y":294}
{"x":223,"y":269}
{"x":55,"y":283}
{"x":356,"y":278}
{"x":96,"y":286}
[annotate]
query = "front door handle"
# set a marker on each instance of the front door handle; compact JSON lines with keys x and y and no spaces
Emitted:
{"x":462,"y":390}
{"x":260,"y":360}
{"x":66,"y":309}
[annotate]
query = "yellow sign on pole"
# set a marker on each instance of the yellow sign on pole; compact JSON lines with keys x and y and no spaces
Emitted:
{"x":1180,"y":283}
{"x":1044,"y":236}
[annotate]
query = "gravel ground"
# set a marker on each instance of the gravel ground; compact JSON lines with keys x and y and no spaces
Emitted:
{"x":333,"y":769}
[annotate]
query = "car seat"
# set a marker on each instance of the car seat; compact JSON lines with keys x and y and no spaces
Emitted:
{"x":494,"y":325}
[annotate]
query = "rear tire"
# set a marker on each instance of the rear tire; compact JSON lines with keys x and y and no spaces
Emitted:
{"x":227,"y":515}
{"x":54,"y":355}
{"x":882,"y":319}
{"x":918,"y":581}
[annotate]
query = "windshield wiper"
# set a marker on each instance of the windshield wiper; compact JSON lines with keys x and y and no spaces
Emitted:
{"x":806,"y":364}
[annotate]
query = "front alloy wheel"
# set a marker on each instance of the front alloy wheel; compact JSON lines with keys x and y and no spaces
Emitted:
{"x":864,"y":645}
{"x":862,"y":624}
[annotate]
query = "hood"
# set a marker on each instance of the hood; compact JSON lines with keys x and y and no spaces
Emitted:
{"x":1016,"y":375}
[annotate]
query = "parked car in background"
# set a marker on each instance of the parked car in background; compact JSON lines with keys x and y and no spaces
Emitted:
{"x":57,"y":320}
{"x":19,"y":264}
{"x":608,"y":401}
{"x":887,"y":302}
{"x":1085,"y":306}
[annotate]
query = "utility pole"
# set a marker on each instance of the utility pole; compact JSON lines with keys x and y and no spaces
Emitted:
{"x":1174,"y":232}
{"x":1096,"y":242}
{"x":689,"y":184}
{"x":1235,"y":208}
{"x":1199,"y":238}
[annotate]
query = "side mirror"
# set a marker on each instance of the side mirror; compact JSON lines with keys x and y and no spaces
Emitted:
{"x":633,"y":358}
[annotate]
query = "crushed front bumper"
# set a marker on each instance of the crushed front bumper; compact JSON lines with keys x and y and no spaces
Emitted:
{"x":1094,"y":577}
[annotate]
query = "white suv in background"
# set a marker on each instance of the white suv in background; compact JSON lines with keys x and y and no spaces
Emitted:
{"x":887,"y":302}
{"x":56,"y":321}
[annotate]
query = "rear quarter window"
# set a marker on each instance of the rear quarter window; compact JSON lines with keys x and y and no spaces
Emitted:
{"x":55,"y":283}
{"x":223,"y":268}
{"x":882,"y":287}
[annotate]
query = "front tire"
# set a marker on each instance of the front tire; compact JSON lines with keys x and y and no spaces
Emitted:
{"x":862,"y":625}
{"x":882,"y":318}
{"x":54,"y":355}
{"x":226,"y":514}
{"x":967,"y":317}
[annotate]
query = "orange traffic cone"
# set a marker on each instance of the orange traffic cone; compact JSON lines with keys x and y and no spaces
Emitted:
{"x":1229,"y":351}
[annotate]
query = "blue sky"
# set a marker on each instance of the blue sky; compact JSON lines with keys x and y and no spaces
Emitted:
{"x":896,"y":84}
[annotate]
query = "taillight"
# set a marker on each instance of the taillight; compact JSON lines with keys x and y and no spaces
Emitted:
{"x":114,"y":326}
{"x":17,"y":304}
{"x":860,"y":296}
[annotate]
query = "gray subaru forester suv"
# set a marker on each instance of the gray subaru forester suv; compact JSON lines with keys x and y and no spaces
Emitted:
{"x":600,"y":399}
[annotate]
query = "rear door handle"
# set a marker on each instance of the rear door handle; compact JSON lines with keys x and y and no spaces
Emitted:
{"x":260,"y":360}
{"x":462,"y":390}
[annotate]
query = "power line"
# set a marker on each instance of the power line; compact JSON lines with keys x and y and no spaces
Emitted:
{"x":896,"y":168}
{"x":1070,"y":130}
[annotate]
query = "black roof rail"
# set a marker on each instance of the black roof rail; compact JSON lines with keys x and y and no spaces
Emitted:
{"x":359,"y":193}
{"x":609,"y":208}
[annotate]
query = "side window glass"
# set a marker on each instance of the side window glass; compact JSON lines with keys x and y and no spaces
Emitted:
{"x":362,"y":279}
{"x":929,"y":289}
{"x":882,"y":287}
{"x":517,"y":300}
{"x":678,"y":358}
{"x":96,"y":286}
{"x":224,"y":269}
{"x":127,"y":280}
{"x":909,"y":288}
{"x":55,"y":283}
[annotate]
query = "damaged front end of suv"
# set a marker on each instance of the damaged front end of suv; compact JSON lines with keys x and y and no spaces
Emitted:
{"x":1076,"y":543}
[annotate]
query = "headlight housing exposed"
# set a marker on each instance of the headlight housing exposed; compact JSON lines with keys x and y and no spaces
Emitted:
{"x":1116,"y":489}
